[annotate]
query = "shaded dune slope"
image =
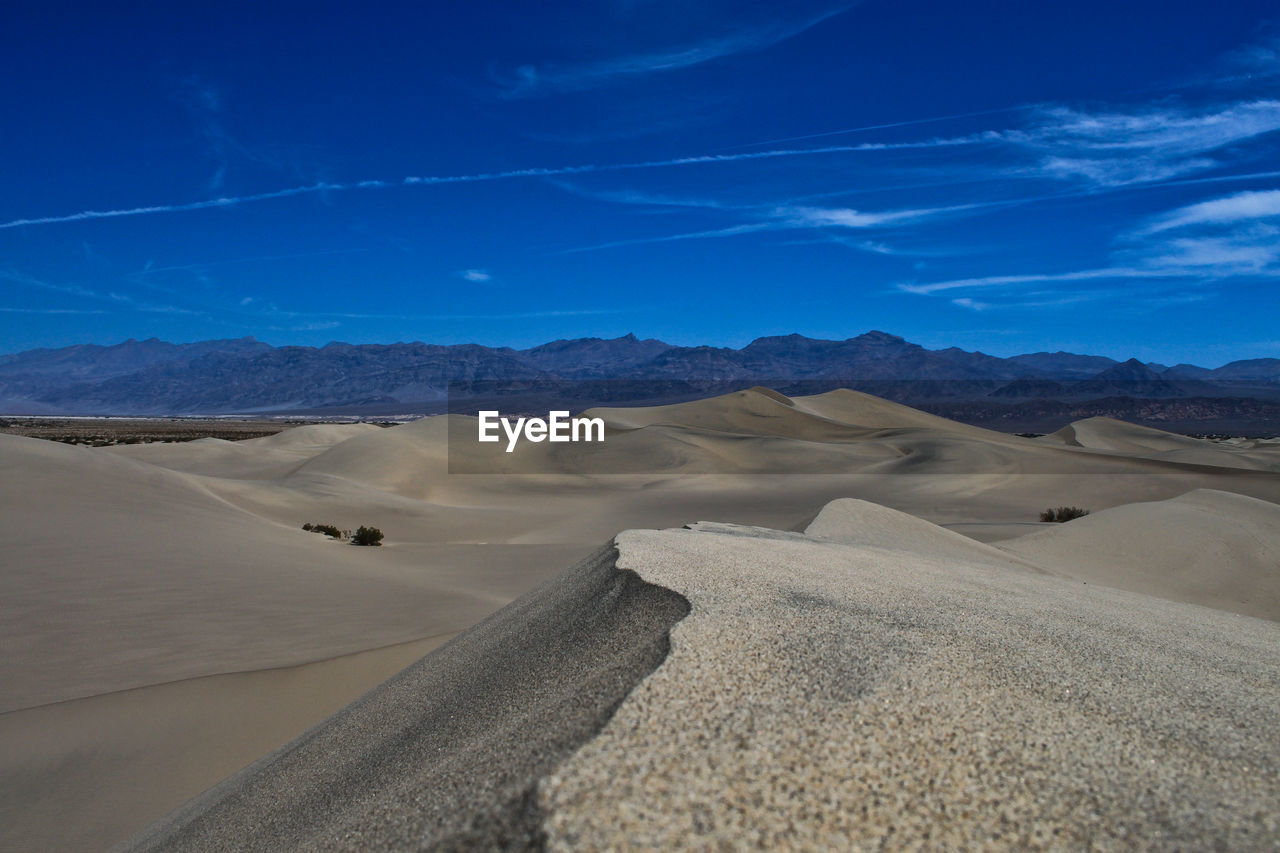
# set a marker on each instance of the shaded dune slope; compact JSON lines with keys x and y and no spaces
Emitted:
{"x":446,"y":755}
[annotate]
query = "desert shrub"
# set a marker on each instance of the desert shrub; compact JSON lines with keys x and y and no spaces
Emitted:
{"x":1063,"y":513}
{"x":326,"y":529}
{"x":307,"y":526}
{"x":366,"y":536}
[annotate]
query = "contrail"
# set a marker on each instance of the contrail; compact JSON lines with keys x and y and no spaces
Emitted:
{"x":864,"y":128}
{"x":479,"y":177}
{"x":176,"y":208}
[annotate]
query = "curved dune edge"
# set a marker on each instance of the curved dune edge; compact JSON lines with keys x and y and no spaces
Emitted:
{"x":446,"y":754}
{"x":827,"y":696}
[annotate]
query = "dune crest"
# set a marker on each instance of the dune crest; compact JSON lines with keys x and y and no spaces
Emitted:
{"x":821,"y":696}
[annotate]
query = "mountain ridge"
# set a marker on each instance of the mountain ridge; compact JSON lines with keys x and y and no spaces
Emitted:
{"x":243,"y":375}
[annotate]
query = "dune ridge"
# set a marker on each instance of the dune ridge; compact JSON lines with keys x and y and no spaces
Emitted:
{"x":821,"y":696}
{"x":446,"y":754}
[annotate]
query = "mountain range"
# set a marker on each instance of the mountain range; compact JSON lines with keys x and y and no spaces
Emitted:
{"x":155,"y":377}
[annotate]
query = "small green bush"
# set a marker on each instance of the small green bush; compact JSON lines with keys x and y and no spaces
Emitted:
{"x":366,"y":536}
{"x":1063,"y":513}
{"x":327,"y":529}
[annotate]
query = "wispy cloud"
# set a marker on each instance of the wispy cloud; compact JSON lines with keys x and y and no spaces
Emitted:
{"x":477,"y":276}
{"x":783,"y":217}
{"x":313,"y":326}
{"x":516,"y":315}
{"x":1114,"y":148}
{"x":1004,"y":281}
{"x":531,"y":80}
{"x":225,"y":201}
{"x":1250,"y":64}
{"x":198,"y":265}
{"x":50,"y":311}
{"x":80,"y":291}
{"x":1184,"y":252}
{"x":204,"y":102}
{"x":1240,"y":207}
{"x":870,"y":127}
{"x":413,"y":180}
{"x":1235,"y":235}
{"x":731,"y":231}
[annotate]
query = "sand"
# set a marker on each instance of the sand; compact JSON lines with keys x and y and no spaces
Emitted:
{"x":446,"y":755}
{"x":727,"y":686}
{"x":76,"y":772}
{"x":136,"y":566}
{"x":1203,"y":547}
{"x":831,"y":696}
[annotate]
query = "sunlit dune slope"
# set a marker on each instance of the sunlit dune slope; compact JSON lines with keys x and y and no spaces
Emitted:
{"x":1206,"y":547}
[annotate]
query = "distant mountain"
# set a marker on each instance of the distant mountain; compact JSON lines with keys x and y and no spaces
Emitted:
{"x":1187,"y":371}
{"x":91,"y":361}
{"x":594,"y":358}
{"x":301,"y":377}
{"x":245,"y":375}
{"x":30,"y":381}
{"x":1250,"y":370}
{"x":1031,"y":388}
{"x":1131,"y":378}
{"x":874,"y":356}
{"x":1062,"y":365}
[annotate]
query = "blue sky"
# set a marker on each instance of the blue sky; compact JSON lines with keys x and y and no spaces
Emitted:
{"x":1003,"y":176}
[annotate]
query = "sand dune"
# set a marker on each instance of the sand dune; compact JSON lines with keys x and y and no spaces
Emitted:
{"x":821,"y":696}
{"x":121,"y":574}
{"x":818,"y":694}
{"x":134,"y":566}
{"x":474,"y":724}
{"x":257,"y":458}
{"x":1205,"y":547}
{"x":870,"y":525}
{"x":213,"y":457}
{"x":1110,"y":435}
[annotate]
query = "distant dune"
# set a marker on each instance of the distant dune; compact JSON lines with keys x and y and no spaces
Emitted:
{"x":157,"y":587}
{"x":1205,"y":547}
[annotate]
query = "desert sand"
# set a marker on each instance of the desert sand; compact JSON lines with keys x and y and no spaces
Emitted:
{"x":141,"y":580}
{"x":791,"y":691}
